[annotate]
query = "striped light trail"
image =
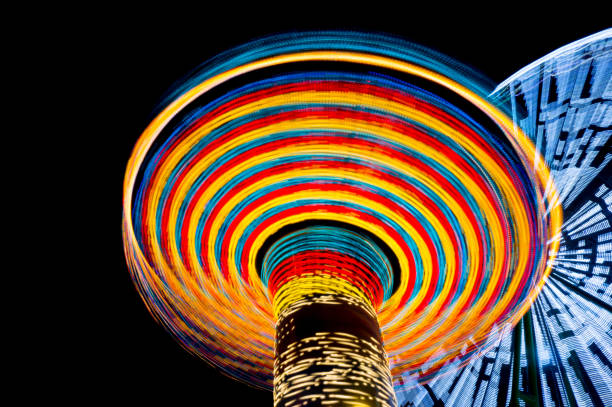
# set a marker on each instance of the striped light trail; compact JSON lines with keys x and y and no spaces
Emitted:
{"x":325,"y":127}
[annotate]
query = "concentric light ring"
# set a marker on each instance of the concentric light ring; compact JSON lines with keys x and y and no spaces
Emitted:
{"x":470,"y":218}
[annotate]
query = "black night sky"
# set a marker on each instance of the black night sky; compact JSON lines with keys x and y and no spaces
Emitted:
{"x":122,"y":67}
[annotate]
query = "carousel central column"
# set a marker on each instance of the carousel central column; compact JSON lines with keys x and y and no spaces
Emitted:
{"x":329,"y":352}
{"x":328,"y":348}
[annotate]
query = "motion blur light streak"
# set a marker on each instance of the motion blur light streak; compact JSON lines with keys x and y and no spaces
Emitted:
{"x":560,"y":353}
{"x":362,"y":173}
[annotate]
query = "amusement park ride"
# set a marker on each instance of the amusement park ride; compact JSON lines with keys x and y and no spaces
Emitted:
{"x":350,"y":219}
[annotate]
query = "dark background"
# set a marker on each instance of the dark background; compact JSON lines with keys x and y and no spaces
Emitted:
{"x":121,"y":63}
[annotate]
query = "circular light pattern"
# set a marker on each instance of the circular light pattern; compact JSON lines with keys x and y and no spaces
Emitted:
{"x":322,"y":256}
{"x":324,"y":126}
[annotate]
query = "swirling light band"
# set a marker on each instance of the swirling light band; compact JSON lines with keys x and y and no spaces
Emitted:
{"x":349,"y":260}
{"x":469,"y":216}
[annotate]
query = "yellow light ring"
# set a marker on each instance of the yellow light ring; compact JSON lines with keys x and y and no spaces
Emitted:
{"x":179,"y":282}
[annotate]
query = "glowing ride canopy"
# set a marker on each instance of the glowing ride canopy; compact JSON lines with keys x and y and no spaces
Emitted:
{"x":466,"y":208}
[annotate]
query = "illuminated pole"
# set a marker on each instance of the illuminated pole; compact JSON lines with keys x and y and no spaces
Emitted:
{"x":329,"y":347}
